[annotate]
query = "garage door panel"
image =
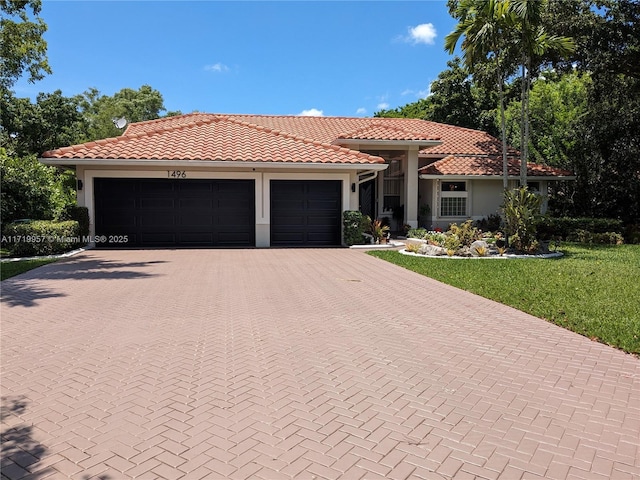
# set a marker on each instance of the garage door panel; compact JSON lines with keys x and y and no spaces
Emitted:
{"x":196,"y":221}
{"x":328,"y":221}
{"x":168,"y":212}
{"x":157,"y":238}
{"x":306,"y":212}
{"x":196,"y":238}
{"x":157,"y":203}
{"x":156,"y":188}
{"x":193,"y":203}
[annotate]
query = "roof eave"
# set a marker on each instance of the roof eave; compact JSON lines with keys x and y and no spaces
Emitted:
{"x":120,"y":162}
{"x":532,"y":178}
{"x":391,"y":143}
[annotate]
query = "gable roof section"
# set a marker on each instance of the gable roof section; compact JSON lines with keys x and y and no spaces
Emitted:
{"x":212,"y":138}
{"x":488,"y":165}
{"x":303,"y":140}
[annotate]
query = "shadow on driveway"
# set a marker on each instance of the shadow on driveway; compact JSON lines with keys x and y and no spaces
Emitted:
{"x":25,"y":290}
{"x":20,"y":453}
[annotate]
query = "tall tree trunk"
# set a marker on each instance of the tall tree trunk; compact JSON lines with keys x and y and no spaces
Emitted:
{"x":503,"y":128}
{"x":523,"y":128}
{"x":525,"y":145}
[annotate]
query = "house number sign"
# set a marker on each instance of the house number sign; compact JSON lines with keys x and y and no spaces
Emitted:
{"x":176,"y":174}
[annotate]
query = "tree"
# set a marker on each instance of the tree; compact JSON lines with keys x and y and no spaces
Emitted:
{"x":454,"y":99}
{"x":22,"y":46}
{"x":31,"y":128}
{"x":534,"y":42}
{"x":607,"y":160}
{"x":485,"y":26}
{"x":30,"y":189}
{"x":557,"y":105}
{"x":133,"y":105}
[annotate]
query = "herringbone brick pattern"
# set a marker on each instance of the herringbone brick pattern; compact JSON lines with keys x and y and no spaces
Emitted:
{"x":305,"y":364}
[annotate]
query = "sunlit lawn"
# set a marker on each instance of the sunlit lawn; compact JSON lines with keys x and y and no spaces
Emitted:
{"x":592,"y":290}
{"x":11,"y":269}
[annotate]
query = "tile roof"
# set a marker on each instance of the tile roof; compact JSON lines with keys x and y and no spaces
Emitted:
{"x":216,"y":138}
{"x":488,"y":165}
{"x":297,"y":139}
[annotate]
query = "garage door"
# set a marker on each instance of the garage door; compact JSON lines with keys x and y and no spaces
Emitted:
{"x":183,"y":213}
{"x":306,"y":213}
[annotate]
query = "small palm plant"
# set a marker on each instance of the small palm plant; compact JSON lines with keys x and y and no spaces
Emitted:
{"x":379,"y":230}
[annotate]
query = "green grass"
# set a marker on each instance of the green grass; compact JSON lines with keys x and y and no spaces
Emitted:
{"x":592,"y":290}
{"x":11,"y":269}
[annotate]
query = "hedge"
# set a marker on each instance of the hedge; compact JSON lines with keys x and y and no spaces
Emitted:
{"x":80,"y":215}
{"x":41,"y":237}
{"x":565,"y":228}
{"x":355,"y":224}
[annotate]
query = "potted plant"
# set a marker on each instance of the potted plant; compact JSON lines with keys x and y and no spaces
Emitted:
{"x":379,"y":231}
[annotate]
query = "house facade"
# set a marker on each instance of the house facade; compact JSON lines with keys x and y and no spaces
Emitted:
{"x":280,"y":181}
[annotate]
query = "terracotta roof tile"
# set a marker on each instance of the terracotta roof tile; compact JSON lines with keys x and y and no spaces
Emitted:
{"x":288,"y":138}
{"x":214,"y":138}
{"x":490,"y":165}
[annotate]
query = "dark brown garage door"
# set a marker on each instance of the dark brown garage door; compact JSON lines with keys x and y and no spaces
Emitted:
{"x":182,"y":213}
{"x":305,"y":213}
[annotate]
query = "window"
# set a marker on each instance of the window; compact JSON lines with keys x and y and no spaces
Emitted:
{"x":453,"y":199}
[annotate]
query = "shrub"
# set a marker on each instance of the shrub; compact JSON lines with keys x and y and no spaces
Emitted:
{"x":31,"y":189}
{"x":466,"y":232}
{"x":80,"y":215}
{"x":355,"y":224}
{"x":413,"y":247}
{"x":521,"y":211}
{"x":565,"y":227}
{"x":41,"y":237}
{"x":417,"y":233}
{"x":606,"y":238}
{"x":435,"y":238}
{"x":490,"y":224}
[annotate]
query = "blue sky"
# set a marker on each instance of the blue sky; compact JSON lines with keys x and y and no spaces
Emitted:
{"x":334,"y":57}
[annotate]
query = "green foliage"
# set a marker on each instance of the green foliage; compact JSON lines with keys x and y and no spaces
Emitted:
{"x":565,"y":227}
{"x":592,"y":290}
{"x":378,"y":229}
{"x":557,"y":104}
{"x":436,"y":238}
{"x":80,"y":215}
{"x":417,"y":233}
{"x":51,"y":122}
{"x":41,"y":237}
{"x":355,"y":224}
{"x":134,"y":105}
{"x":453,"y":99}
{"x":11,"y":269}
{"x":452,"y":242}
{"x":521,"y":211}
{"x":491,"y":223}
{"x":466,"y":232}
{"x":29,"y":189}
{"x":587,"y":237}
{"x":22,"y":45}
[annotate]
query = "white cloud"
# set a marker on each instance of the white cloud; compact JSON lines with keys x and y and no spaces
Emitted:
{"x":361,"y":111}
{"x":424,"y":93}
{"x":217,"y":67}
{"x":423,"y":33}
{"x":417,"y":93}
{"x":383,"y":105}
{"x":312,"y":112}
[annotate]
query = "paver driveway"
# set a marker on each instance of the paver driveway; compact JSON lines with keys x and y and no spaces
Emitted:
{"x":302,"y":364}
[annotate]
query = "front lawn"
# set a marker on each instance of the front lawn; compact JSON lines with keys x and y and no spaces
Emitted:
{"x":592,"y":290}
{"x":11,"y":269}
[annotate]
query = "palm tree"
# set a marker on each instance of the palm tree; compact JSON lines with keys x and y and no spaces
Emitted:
{"x":534,"y":41}
{"x":485,"y":25}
